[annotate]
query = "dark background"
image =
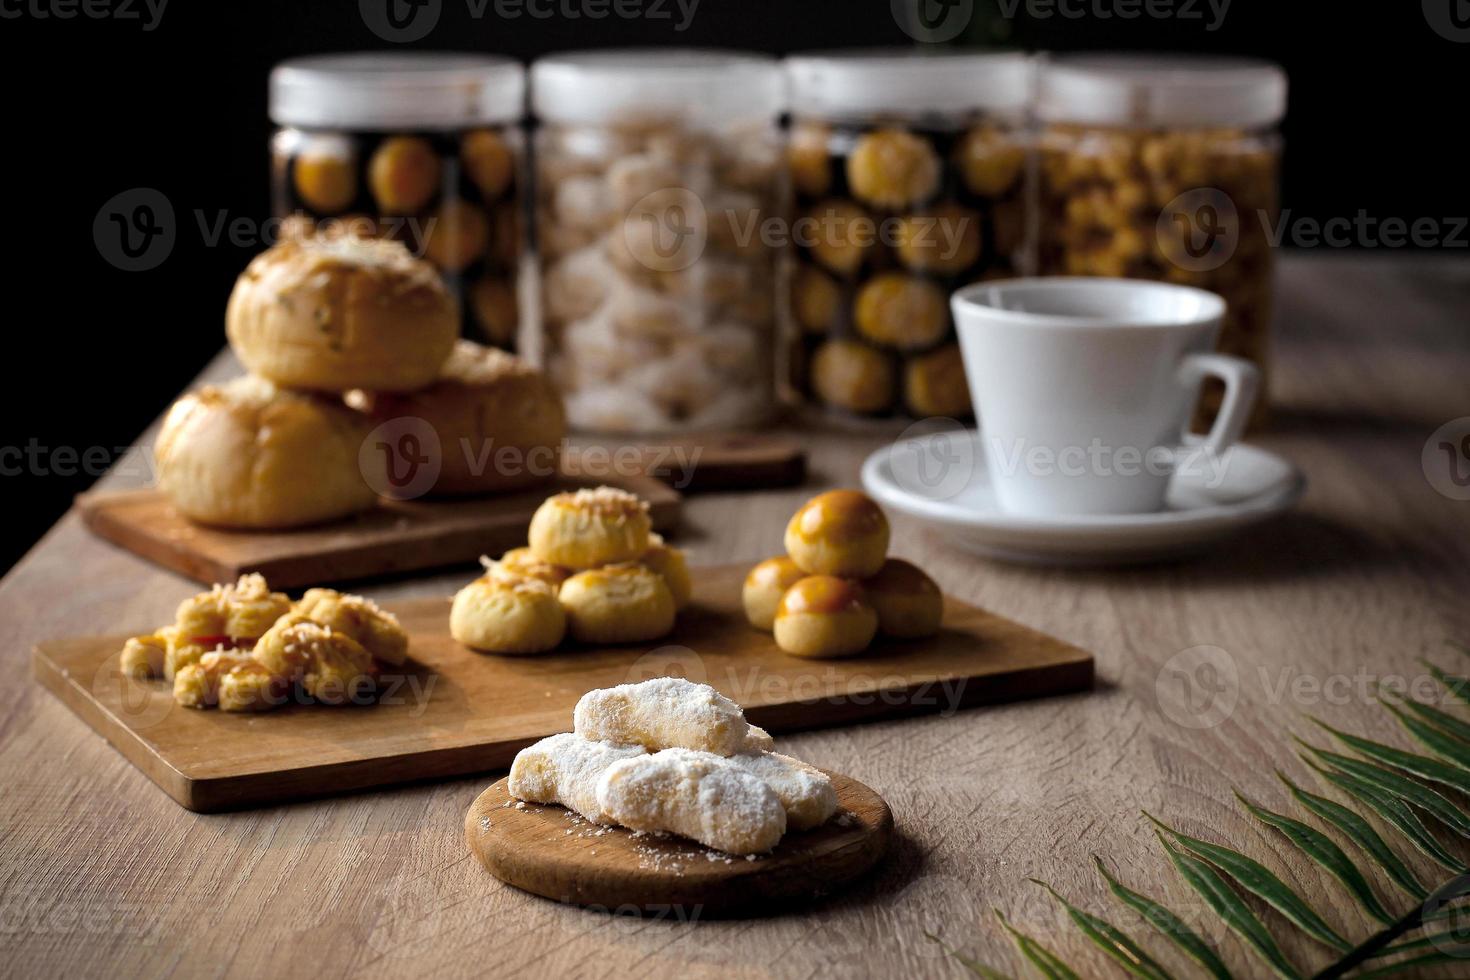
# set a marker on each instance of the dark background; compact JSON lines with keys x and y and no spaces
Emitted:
{"x":97,"y":106}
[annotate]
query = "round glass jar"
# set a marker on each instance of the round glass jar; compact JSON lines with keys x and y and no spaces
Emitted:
{"x":1166,"y":168}
{"x":423,"y":148}
{"x":657,"y":176}
{"x":911,"y":175}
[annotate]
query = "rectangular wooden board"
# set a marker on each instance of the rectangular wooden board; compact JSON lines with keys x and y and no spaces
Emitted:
{"x":695,"y":463}
{"x":396,"y":536}
{"x":452,"y":711}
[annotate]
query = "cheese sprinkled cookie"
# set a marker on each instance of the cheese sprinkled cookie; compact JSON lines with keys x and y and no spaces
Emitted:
{"x":331,"y":667}
{"x":671,"y":565}
{"x":588,"y":528}
{"x":521,"y":563}
{"x":227,"y":616}
{"x":701,"y":796}
{"x":663,"y":713}
{"x":805,"y":792}
{"x":624,"y":603}
{"x":377,"y":630}
{"x":503,"y":614}
{"x":564,"y":769}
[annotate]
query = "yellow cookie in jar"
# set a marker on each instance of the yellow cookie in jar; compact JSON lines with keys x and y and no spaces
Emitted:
{"x":990,"y":161}
{"x":934,"y":384}
{"x":456,"y":235}
{"x":815,"y":300}
{"x":838,"y":234}
{"x":488,"y":161}
{"x":944,"y":239}
{"x":893,"y":168}
{"x":901,"y":311}
{"x":403,"y":174}
{"x":851,"y":375}
{"x":493,"y":302}
{"x":326,"y":183}
{"x":807,"y":158}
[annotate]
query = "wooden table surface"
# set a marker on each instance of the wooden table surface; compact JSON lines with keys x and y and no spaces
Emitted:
{"x":101,"y":874}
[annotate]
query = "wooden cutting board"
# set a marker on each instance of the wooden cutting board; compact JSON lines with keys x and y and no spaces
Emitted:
{"x":710,"y":461}
{"x":452,"y":711}
{"x":396,"y":536}
{"x":552,"y":852}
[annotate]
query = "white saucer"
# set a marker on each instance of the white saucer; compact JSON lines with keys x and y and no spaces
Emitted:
{"x":941,"y":479}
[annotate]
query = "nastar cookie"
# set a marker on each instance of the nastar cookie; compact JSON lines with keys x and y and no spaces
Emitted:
{"x":505,"y":614}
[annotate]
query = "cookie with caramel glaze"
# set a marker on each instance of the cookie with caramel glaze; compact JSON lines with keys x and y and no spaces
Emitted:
{"x":825,"y":616}
{"x":841,"y":532}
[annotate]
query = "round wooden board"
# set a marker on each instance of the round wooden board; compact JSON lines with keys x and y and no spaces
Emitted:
{"x":553,"y":852}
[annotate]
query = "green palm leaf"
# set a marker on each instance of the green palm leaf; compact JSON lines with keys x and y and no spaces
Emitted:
{"x":1167,"y":924}
{"x":1111,"y":940}
{"x":1261,"y":882}
{"x":1419,"y":765}
{"x":1218,"y":895}
{"x":973,"y":965}
{"x":1441,"y":743}
{"x":1441,"y":719}
{"x":1449,"y":937}
{"x":1361,"y":833}
{"x":1416,"y":963}
{"x":1044,"y":960}
{"x":1394,"y":812}
{"x":1393,"y":784}
{"x":1457,"y":687}
{"x":1325,"y":853}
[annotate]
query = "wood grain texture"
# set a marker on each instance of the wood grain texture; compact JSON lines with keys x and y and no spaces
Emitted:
{"x":103,"y":875}
{"x":552,"y":852}
{"x":453,"y":711}
{"x":392,"y":538}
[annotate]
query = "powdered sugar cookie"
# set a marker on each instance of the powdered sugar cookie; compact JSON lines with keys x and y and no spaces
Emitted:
{"x":663,"y":713}
{"x":698,"y":795}
{"x":804,"y":791}
{"x":564,"y":769}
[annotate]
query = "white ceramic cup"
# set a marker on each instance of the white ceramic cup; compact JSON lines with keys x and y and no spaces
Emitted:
{"x":1084,"y":389}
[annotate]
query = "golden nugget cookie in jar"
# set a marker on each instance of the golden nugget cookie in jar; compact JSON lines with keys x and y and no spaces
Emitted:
{"x":1166,"y":168}
{"x":423,"y":148}
{"x":911,"y":179}
{"x":658,"y":186}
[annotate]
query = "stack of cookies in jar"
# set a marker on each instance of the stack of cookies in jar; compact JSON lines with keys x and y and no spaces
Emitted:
{"x":910,"y":178}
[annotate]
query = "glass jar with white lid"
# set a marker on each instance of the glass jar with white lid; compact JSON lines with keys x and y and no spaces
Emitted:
{"x":911,"y":174}
{"x":423,"y":148}
{"x":1166,"y":167}
{"x":658,"y":173}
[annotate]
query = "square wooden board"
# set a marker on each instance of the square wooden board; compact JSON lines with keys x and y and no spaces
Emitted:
{"x":453,"y":711}
{"x":396,"y":536}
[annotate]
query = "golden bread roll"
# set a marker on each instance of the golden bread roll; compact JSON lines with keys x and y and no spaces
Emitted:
{"x":334,"y":313}
{"x":500,"y":614}
{"x":908,"y":602}
{"x":764,"y":586}
{"x":672,"y":565}
{"x":624,"y":603}
{"x":250,"y":455}
{"x":587,"y":528}
{"x":825,"y":616}
{"x":841,"y":532}
{"x":499,"y":420}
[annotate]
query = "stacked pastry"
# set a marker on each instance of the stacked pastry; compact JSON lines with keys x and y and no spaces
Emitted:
{"x":836,"y":588}
{"x":672,"y":756}
{"x":342,"y":334}
{"x":243,"y":647}
{"x":593,"y":569}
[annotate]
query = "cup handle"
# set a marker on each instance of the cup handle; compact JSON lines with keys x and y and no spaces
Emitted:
{"x":1242,"y":381}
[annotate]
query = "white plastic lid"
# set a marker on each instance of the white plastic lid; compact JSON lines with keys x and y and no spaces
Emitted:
{"x":862,"y":82}
{"x":393,"y":91}
{"x":701,"y":85}
{"x":1169,"y":91}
